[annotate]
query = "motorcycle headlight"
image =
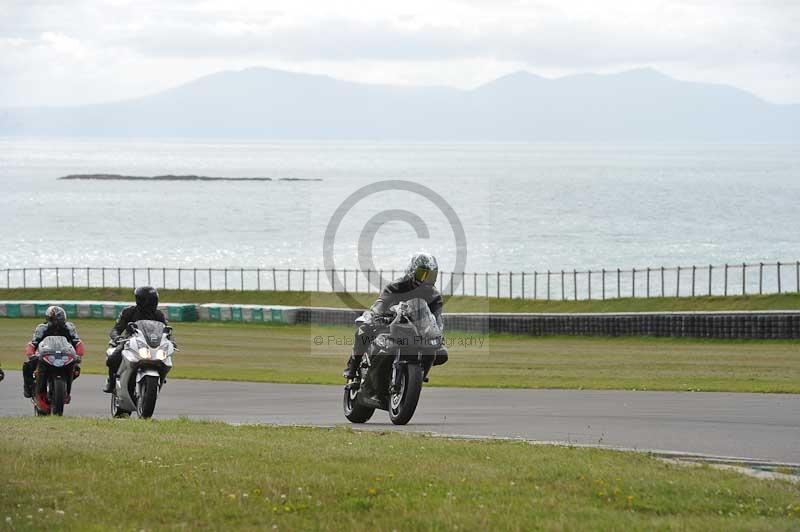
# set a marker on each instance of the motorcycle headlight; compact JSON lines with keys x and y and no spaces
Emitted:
{"x":144,"y":352}
{"x":161,"y":354}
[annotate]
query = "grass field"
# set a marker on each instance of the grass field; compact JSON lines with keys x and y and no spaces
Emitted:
{"x":454,"y":304}
{"x":82,"y":474}
{"x":289,"y":353}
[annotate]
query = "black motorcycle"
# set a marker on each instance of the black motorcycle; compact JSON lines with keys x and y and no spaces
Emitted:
{"x":395,"y":365}
{"x":54,"y":374}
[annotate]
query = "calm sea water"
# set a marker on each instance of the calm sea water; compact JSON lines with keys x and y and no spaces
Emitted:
{"x":522,"y":206}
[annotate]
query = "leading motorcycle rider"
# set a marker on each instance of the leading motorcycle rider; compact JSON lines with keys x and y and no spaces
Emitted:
{"x":418,"y":281}
{"x":146,"y":308}
{"x":55,"y":324}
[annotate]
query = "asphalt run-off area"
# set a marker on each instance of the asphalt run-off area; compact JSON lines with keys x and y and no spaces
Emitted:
{"x":751,"y":426}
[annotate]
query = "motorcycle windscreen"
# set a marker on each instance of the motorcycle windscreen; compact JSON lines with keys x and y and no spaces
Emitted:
{"x":56,"y":344}
{"x":152,"y":331}
{"x":423,"y":319}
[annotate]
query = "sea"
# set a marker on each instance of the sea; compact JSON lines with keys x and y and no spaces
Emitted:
{"x":480,"y":207}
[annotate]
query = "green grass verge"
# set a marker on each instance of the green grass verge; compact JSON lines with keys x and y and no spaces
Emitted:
{"x":454,"y":304}
{"x":289,"y":353}
{"x":85,"y":474}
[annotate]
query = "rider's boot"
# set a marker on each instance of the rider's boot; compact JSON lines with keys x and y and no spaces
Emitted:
{"x":110,"y":384}
{"x":351,"y":371}
{"x":28,"y":380}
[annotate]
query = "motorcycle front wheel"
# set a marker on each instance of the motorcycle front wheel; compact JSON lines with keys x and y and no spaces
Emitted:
{"x":403,"y":403}
{"x":59,"y":392}
{"x":148,"y":393}
{"x":354,"y":412}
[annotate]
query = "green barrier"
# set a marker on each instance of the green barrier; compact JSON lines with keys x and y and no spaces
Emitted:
{"x":96,"y":311}
{"x":236,"y":314}
{"x":13,"y":310}
{"x":40,"y":309}
{"x":277,"y":315}
{"x":257,"y":314}
{"x":214,"y":314}
{"x":182,"y":312}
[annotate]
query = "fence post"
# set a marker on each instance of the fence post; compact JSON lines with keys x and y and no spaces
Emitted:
{"x":72,"y":276}
{"x":725,"y":291}
{"x":103,"y":269}
{"x":633,"y":283}
{"x":119,"y":277}
{"x":24,"y":278}
{"x":535,"y":282}
{"x":779,"y":277}
{"x":574,"y":284}
{"x":369,"y":281}
{"x":180,"y":276}
{"x":603,"y":282}
{"x":797,"y":275}
{"x":523,"y":285}
{"x":274,"y":281}
{"x":241,"y":279}
{"x":678,"y":283}
{"x":226,"y":278}
{"x":57,"y":284}
{"x":317,"y":279}
{"x":498,"y":285}
{"x":148,"y":277}
{"x":88,"y":284}
{"x":648,"y":283}
{"x":744,"y":278}
{"x":210,"y":281}
{"x":289,"y":279}
{"x":510,"y":285}
{"x":618,"y":283}
{"x":562,"y":285}
{"x":475,"y":284}
{"x":303,"y":283}
{"x":663,"y":290}
{"x":194,"y":278}
{"x":589,"y":274}
{"x":40,"y":278}
{"x":356,"y":272}
{"x":486,"y":284}
{"x":760,"y":277}
{"x":710,"y":273}
{"x":164,"y":277}
{"x":548,"y":285}
{"x":694,"y":271}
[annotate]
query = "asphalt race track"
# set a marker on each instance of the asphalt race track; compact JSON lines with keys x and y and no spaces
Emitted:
{"x":754,"y":426}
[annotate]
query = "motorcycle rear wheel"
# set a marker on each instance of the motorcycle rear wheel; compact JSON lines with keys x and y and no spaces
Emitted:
{"x":148,"y":393}
{"x":403,"y":403}
{"x":354,"y":412}
{"x":59,"y":396}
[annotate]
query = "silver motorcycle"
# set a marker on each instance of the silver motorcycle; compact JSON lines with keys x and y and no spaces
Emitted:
{"x":146,"y":360}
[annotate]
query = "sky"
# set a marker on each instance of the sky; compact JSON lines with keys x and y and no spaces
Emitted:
{"x":85,"y":51}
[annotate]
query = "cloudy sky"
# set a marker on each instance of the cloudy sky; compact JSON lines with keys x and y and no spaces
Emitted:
{"x":81,"y":51}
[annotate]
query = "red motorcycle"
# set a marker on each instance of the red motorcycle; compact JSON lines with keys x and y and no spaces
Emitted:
{"x":58,"y":366}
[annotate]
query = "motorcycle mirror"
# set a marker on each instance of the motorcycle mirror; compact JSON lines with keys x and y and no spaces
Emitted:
{"x":167,"y":330}
{"x":131,"y":327}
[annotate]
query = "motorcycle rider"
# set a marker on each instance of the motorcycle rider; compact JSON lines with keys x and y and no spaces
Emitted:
{"x":418,"y":281}
{"x":55,"y":324}
{"x":146,"y":308}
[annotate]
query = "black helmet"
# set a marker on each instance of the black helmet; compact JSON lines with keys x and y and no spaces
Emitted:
{"x":146,"y":297}
{"x":56,"y":316}
{"x":423,"y":269}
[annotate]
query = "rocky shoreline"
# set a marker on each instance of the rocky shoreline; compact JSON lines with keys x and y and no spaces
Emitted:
{"x":170,"y":177}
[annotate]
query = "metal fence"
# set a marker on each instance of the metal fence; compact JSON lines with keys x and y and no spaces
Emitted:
{"x":677,"y":281}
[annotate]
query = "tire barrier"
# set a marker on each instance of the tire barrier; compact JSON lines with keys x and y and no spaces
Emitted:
{"x":777,"y":324}
{"x":90,"y":309}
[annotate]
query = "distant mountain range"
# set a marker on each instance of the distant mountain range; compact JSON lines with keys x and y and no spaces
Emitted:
{"x":636,"y":105}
